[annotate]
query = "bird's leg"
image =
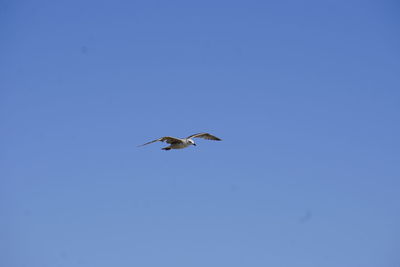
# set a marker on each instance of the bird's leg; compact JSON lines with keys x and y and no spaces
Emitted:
{"x":166,"y":148}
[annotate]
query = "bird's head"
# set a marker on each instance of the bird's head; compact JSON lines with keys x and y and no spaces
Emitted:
{"x":191,"y":142}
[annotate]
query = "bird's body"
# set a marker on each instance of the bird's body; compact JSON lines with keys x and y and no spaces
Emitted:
{"x":179,"y":143}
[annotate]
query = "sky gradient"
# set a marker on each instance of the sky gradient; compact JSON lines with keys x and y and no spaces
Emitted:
{"x":304,"y":94}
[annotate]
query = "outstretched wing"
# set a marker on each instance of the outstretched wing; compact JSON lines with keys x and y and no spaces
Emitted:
{"x":168,"y":139}
{"x":205,"y":136}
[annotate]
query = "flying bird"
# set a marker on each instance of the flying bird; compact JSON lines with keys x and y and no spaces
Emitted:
{"x":179,"y":143}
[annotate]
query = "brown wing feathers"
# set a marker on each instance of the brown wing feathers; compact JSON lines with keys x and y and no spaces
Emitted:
{"x":206,"y":136}
{"x":167,"y":139}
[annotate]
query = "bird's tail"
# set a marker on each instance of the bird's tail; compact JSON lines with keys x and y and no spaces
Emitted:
{"x":166,"y":148}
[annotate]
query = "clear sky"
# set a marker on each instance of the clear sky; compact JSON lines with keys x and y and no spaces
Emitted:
{"x":304,"y":94}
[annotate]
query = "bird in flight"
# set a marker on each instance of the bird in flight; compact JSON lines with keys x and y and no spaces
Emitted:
{"x":179,"y":143}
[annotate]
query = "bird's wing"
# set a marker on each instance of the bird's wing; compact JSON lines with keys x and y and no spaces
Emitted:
{"x":168,"y":139}
{"x":205,"y":136}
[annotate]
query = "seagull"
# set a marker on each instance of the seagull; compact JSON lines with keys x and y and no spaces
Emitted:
{"x":179,"y":143}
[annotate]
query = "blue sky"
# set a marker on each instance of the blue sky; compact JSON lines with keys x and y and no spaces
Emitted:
{"x":304,"y":94}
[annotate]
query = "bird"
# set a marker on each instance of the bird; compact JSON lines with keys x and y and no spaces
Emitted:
{"x":179,"y":143}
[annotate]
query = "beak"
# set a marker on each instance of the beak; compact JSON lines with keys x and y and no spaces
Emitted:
{"x":194,"y":144}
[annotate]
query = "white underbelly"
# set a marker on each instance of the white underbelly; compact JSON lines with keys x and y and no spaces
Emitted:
{"x":179,"y":146}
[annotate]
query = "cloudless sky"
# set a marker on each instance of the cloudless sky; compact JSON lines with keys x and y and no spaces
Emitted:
{"x":304,"y":94}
